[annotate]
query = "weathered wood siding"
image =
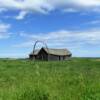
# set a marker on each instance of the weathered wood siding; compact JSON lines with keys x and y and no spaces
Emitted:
{"x":53,"y":57}
{"x":57,"y":58}
{"x":42,"y":55}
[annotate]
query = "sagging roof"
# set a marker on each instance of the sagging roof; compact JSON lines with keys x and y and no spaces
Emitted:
{"x":60,"y":52}
{"x":35,"y":52}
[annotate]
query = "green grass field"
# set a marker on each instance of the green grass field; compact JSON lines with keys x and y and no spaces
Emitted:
{"x":77,"y":79}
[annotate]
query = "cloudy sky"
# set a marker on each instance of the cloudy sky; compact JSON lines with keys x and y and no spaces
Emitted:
{"x":72,"y":24}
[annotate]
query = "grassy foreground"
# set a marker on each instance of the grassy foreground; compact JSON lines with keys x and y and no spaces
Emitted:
{"x":77,"y":79}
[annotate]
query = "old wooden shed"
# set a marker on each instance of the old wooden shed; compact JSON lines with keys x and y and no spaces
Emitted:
{"x":50,"y":54}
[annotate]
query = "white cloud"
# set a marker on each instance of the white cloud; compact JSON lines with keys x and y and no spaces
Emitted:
{"x":2,"y":10}
{"x":70,"y":10}
{"x":63,"y":38}
{"x":89,"y":3}
{"x":4,"y":36}
{"x":94,"y":22}
{"x":28,"y":5}
{"x":44,"y":6}
{"x":21,"y":15}
{"x":4,"y":28}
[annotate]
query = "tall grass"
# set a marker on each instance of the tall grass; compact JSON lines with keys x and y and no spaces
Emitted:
{"x":77,"y":79}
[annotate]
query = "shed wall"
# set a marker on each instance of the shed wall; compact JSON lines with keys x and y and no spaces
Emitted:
{"x":42,"y":55}
{"x":53,"y":58}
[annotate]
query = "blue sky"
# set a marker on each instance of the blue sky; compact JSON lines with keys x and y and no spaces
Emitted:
{"x":72,"y":24}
